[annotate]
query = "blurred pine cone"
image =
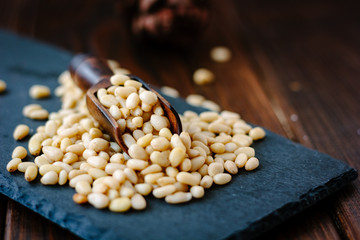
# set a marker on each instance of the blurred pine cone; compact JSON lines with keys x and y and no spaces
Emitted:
{"x":169,"y":21}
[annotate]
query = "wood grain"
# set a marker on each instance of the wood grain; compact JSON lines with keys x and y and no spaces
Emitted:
{"x":294,"y":70}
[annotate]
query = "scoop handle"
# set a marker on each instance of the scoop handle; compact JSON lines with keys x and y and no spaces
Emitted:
{"x":87,"y":70}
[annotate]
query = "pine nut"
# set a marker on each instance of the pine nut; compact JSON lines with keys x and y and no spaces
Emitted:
{"x":98,"y":200}
{"x":172,"y":92}
{"x":136,"y":151}
{"x":154,"y":168}
{"x":197,"y":191}
{"x":19,"y":152}
{"x":203,"y":76}
{"x":38,"y":114}
{"x":251,"y":164}
{"x":177,"y":155}
{"x":49,"y":167}
{"x":50,"y":178}
{"x":215,"y":168}
{"x":97,"y":162}
{"x":96,"y":173}
{"x":53,"y":153}
{"x":206,"y":181}
{"x":153,"y":177}
{"x":118,"y":79}
{"x":143,"y":188}
{"x":121,"y":204}
{"x":162,"y":192}
{"x":112,"y":167}
{"x":160,"y":144}
{"x":222,"y":178}
{"x":217,"y":147}
{"x":80,"y":198}
{"x":99,"y":144}
{"x":63,"y":177}
{"x":249,"y":151}
{"x":21,"y":131}
{"x":82,"y":177}
{"x":161,"y":158}
{"x":83,"y":187}
{"x":138,"y":202}
{"x":220,"y":54}
{"x":131,"y":175}
{"x":159,"y":122}
{"x":2,"y":86}
{"x":187,"y":178}
{"x":13,"y":164}
{"x":137,"y":164}
{"x":257,"y":133}
{"x":231,"y":167}
{"x":39,"y":91}
{"x":178,"y":197}
{"x":197,"y":163}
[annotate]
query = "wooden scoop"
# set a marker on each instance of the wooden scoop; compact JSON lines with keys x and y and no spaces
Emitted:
{"x":90,"y":74}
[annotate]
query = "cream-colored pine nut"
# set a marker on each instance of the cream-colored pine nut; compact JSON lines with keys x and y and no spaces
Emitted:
{"x":13,"y":164}
{"x":185,"y":165}
{"x":131,"y":175}
{"x":197,"y":191}
{"x":83,"y":187}
{"x":41,"y":160}
{"x":47,"y":142}
{"x":39,"y":91}
{"x":203,"y":76}
{"x":110,"y":168}
{"x":78,"y":149}
{"x":206,"y":181}
{"x":133,"y":83}
{"x":34,"y":146}
{"x":145,"y":140}
{"x":97,"y":162}
{"x":249,"y":151}
{"x":98,"y":200}
{"x":132,"y":101}
{"x":19,"y":152}
{"x":53,"y":153}
{"x":222,"y":178}
{"x":161,"y":158}
{"x":126,"y":192}
{"x":2,"y":86}
{"x":138,"y":202}
{"x":121,"y":204}
{"x":119,"y":79}
{"x":257,"y":133}
{"x":219,"y":160}
{"x":211,"y":105}
{"x":108,"y":100}
{"x":128,"y":140}
{"x":149,"y":97}
{"x":217,"y":148}
{"x":119,"y":175}
{"x":178,"y":197}
{"x":99,"y":144}
{"x":67,"y":132}
{"x":117,"y":158}
{"x":215,"y":168}
{"x":104,"y":155}
{"x":96,"y":173}
{"x":136,"y":151}
{"x":49,"y":167}
{"x":231,"y":147}
{"x":143,"y":188}
{"x":195,"y":99}
{"x":171,"y":171}
{"x":159,"y":122}
{"x":99,"y":187}
{"x":160,"y":144}
{"x":21,"y":131}
{"x":177,"y":142}
{"x":38,"y":114}
{"x":70,"y":158}
{"x":95,"y":133}
{"x":251,"y":164}
{"x":166,"y":133}
{"x":209,"y":160}
{"x":63,"y":177}
{"x":177,"y":155}
{"x":50,"y":178}
{"x":197,"y":163}
{"x":112,"y":194}
{"x":29,"y":108}
{"x":209,"y":116}
{"x":200,"y":137}
{"x":226,"y":156}
{"x":187,"y":178}
{"x":147,"y":127}
{"x":80,"y":198}
{"x":242,"y":140}
{"x":203,"y":170}
{"x":24,"y":165}
{"x":231,"y":167}
{"x":65,"y":142}
{"x":137,"y":164}
{"x":82,"y":177}
{"x":162,"y":192}
{"x":88,"y":153}
{"x":111,"y":182}
{"x":172,"y":92}
{"x":217,"y":127}
{"x":153,"y":168}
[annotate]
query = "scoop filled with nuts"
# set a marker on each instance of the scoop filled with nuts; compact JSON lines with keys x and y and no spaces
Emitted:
{"x":73,"y":148}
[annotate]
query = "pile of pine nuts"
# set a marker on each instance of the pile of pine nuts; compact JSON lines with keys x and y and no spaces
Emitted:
{"x":72,"y":148}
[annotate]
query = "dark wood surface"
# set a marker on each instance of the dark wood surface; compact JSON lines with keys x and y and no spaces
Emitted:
{"x":295,"y":70}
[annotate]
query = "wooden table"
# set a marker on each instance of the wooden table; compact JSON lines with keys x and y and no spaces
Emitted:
{"x":295,"y":70}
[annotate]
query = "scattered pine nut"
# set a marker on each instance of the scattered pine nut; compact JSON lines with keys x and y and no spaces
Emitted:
{"x":2,"y":86}
{"x":203,"y":76}
{"x":21,"y":131}
{"x":220,"y":54}
{"x":39,"y":91}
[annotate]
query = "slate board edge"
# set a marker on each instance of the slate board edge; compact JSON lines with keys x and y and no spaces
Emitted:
{"x":313,"y":196}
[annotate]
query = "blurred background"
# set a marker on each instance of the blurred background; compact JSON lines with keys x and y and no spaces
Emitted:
{"x":294,"y":69}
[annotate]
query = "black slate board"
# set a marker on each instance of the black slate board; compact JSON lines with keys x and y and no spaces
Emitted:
{"x":289,"y":179}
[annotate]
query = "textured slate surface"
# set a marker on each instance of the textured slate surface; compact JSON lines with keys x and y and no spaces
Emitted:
{"x":289,"y":179}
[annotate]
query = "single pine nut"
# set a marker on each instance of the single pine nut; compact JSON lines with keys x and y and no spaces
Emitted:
{"x":160,"y":144}
{"x":161,"y":158}
{"x":209,"y":116}
{"x":137,"y":164}
{"x":154,"y":168}
{"x":172,"y":92}
{"x":21,"y":131}
{"x":217,"y":147}
{"x":197,"y":163}
{"x":177,"y":155}
{"x":112,"y":167}
{"x":13,"y":164}
{"x":82,"y":177}
{"x":118,"y":79}
{"x":220,"y":54}
{"x":138,"y":202}
{"x":74,"y":173}
{"x":222,"y":178}
{"x":136,"y":151}
{"x":31,"y":173}
{"x":19,"y":152}
{"x":49,"y":167}
{"x":99,"y":144}
{"x":249,"y":151}
{"x":178,"y":197}
{"x":121,"y":204}
{"x":63,"y":177}
{"x":206,"y":181}
{"x":187,"y":178}
{"x":215,"y":168}
{"x":80,"y":198}
{"x":197,"y":191}
{"x":97,"y":162}
{"x":203,"y":76}
{"x":76,"y":148}
{"x":39,"y":91}
{"x":50,"y":178}
{"x":165,"y":181}
{"x":162,"y":192}
{"x":96,"y":173}
{"x":143,"y":188}
{"x":231,"y":167}
{"x":98,"y":200}
{"x":153,"y":177}
{"x":159,"y":122}
{"x":38,"y":114}
{"x":257,"y":133}
{"x":83,"y":187}
{"x":241,"y":160}
{"x":53,"y":153}
{"x":131,"y":175}
{"x":251,"y":164}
